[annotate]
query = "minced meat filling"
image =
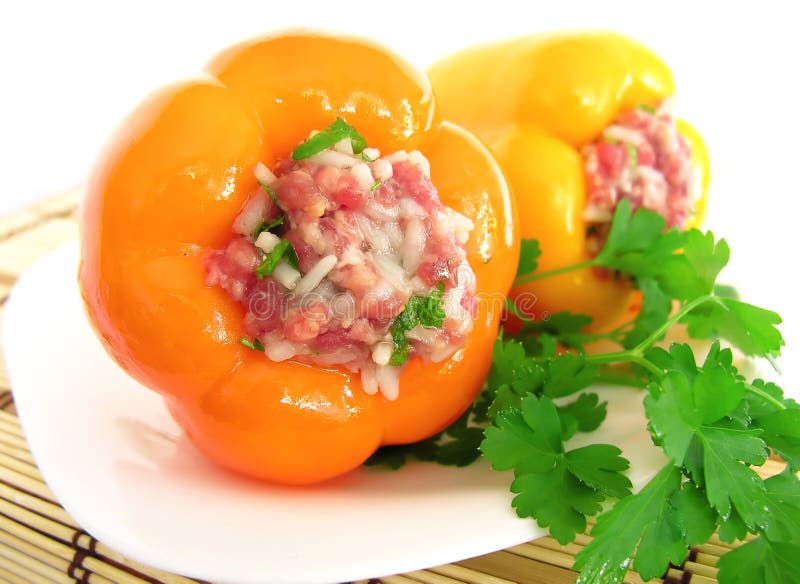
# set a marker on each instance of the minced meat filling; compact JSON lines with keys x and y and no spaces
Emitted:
{"x":643,"y":158}
{"x":350,"y":259}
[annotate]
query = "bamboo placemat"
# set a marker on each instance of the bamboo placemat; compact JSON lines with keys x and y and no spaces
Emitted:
{"x":40,"y":542}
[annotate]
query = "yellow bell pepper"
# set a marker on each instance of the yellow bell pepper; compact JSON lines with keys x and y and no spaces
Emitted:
{"x":536,"y":101}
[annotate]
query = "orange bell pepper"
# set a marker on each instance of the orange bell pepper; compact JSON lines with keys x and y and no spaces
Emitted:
{"x":167,"y":190}
{"x":536,"y":101}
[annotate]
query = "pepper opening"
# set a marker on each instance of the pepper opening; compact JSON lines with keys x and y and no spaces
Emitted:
{"x":641,"y":157}
{"x":350,"y":258}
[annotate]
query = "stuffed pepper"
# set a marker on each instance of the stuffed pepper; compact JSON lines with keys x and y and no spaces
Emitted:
{"x":294,"y":250}
{"x":578,"y":121}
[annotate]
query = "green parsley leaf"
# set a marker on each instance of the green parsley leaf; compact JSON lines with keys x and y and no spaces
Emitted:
{"x":688,"y":416}
{"x":780,"y":428}
{"x":291,"y":258}
{"x":726,"y":291}
{"x":564,"y":326}
{"x":426,"y":311}
{"x":631,"y":232}
{"x":395,"y":456}
{"x":729,"y":483}
{"x":511,"y":366}
{"x":656,"y":307}
{"x":690,"y":274}
{"x":557,"y":488}
{"x":529,"y":254}
{"x":585,"y":414}
{"x":646,"y":108}
{"x":697,"y":519}
{"x":268,"y":226}
{"x":254,"y":345}
{"x":731,"y":527}
{"x":761,"y":561}
{"x":273,"y":258}
{"x":567,"y":374}
{"x":783,"y":494}
{"x":680,"y":358}
{"x":647,"y":519}
{"x":455,"y":446}
{"x":338,"y":130}
{"x":691,"y":418}
{"x":750,"y":328}
{"x":271,"y":192}
{"x":637,"y":244}
{"x":600,"y":466}
{"x":460,"y":445}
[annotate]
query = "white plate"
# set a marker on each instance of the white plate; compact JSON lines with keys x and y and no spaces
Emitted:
{"x":122,"y":468}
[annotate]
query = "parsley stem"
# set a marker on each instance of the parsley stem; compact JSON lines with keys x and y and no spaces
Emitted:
{"x":631,"y":356}
{"x":558,"y":271}
{"x":670,"y":322}
{"x":765,"y":396}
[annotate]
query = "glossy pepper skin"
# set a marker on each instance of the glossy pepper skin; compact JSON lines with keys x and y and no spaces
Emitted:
{"x":167,"y":190}
{"x":536,"y":101}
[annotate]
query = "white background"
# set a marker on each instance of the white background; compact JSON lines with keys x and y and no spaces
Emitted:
{"x":70,"y":70}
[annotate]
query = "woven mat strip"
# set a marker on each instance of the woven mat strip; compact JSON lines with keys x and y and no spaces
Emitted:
{"x":59,"y":207}
{"x":40,"y":542}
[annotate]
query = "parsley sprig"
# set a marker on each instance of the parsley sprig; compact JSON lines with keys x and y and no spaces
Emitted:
{"x":283,"y":250}
{"x":425,"y":311}
{"x":713,"y":424}
{"x":338,"y":130}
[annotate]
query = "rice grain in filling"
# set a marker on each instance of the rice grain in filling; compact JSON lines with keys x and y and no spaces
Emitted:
{"x":372,"y":239}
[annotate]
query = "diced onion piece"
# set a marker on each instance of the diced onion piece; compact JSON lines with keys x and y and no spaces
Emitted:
{"x":624,"y":135}
{"x":312,"y":235}
{"x":382,"y":169}
{"x":267,"y":241}
{"x":263,"y":174}
{"x":416,"y":158}
{"x":315,"y":275}
{"x":423,"y":335}
{"x":410,"y":208}
{"x":280,"y":350}
{"x":389,"y":381}
{"x":252,"y":215}
{"x":345,"y":146}
{"x":363,"y":175}
{"x":654,"y":189}
{"x":333,"y":158}
{"x":371,"y":153}
{"x":395,"y":157}
{"x":286,"y":275}
{"x":382,"y":352}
